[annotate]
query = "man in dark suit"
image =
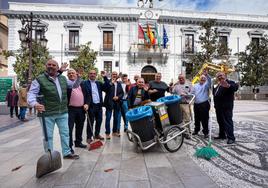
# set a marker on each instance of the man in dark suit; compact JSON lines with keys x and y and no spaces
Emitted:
{"x":95,"y":88}
{"x":224,"y":102}
{"x":112,"y":100}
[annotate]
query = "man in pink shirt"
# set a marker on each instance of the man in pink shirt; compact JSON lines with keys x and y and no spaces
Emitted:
{"x":78,"y":102}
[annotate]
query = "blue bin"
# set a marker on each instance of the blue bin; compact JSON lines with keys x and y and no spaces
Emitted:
{"x":139,"y":113}
{"x":173,"y":108}
{"x":141,"y":122}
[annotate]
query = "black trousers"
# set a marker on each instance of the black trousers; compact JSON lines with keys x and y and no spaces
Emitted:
{"x":12,"y":110}
{"x":201,"y":115}
{"x":77,"y":117}
{"x":95,"y":114}
{"x":225,"y":121}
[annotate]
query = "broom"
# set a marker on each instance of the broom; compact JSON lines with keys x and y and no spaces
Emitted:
{"x":207,"y":152}
{"x":96,"y":143}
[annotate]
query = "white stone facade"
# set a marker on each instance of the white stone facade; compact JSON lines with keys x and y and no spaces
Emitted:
{"x":124,"y":22}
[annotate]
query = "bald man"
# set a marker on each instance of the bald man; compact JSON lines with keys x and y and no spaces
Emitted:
{"x":53,"y":87}
{"x":202,"y":104}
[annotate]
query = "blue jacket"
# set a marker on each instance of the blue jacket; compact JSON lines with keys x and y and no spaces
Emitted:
{"x":101,"y":87}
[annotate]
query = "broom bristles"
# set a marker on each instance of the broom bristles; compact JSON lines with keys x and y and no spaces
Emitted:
{"x":95,"y":145}
{"x":206,"y":152}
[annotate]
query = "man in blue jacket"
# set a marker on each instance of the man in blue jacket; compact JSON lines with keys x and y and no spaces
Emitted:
{"x":94,"y":88}
{"x":224,"y":102}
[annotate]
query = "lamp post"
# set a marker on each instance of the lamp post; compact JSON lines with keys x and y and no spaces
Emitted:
{"x":26,"y":37}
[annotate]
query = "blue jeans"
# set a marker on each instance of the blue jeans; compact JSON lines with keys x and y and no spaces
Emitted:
{"x":108,"y":114}
{"x":124,"y":109}
{"x":62,"y":122}
{"x":22,"y":113}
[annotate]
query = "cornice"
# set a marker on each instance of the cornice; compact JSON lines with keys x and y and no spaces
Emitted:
{"x":106,"y":17}
{"x":219,"y":22}
{"x":72,"y":16}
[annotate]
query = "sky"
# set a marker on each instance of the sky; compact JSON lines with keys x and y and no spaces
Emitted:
{"x":258,"y":7}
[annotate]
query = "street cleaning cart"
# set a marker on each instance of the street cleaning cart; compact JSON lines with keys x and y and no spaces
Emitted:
{"x":157,"y":122}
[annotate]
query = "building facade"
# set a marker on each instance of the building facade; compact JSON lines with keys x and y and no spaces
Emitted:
{"x":114,"y":34}
{"x":3,"y":44}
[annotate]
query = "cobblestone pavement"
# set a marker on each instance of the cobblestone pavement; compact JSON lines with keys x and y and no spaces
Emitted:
{"x":241,"y":165}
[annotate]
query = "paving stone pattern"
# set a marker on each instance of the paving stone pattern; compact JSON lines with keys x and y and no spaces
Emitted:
{"x":241,"y":165}
{"x":244,"y":164}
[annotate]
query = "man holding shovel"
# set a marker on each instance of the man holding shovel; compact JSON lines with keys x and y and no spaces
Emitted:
{"x":53,"y":107}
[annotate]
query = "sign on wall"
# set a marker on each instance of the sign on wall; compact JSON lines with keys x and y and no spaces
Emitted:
{"x":5,"y":85}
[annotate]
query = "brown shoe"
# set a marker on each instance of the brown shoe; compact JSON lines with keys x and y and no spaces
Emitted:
{"x":99,"y":137}
{"x":89,"y":140}
{"x":71,"y":156}
{"x":108,"y":137}
{"x":116,"y":134}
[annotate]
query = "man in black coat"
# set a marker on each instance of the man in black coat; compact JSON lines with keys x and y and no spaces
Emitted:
{"x":224,"y":102}
{"x":112,"y":100}
{"x":12,"y":101}
{"x":94,"y":88}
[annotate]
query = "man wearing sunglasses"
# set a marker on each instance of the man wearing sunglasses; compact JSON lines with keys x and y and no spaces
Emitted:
{"x":224,"y":102}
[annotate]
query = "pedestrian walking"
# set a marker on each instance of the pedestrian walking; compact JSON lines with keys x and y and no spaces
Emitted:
{"x":202,"y":103}
{"x":12,"y":101}
{"x":53,"y":87}
{"x":224,"y":103}
{"x":23,"y":102}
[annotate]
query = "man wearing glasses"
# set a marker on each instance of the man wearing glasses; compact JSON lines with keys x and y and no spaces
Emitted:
{"x":224,"y":102}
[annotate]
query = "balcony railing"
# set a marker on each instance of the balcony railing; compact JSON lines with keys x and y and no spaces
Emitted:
{"x":143,"y":49}
{"x":107,"y":49}
{"x":71,"y":49}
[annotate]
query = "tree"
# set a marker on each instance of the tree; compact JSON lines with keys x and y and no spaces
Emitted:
{"x":85,"y":60}
{"x":40,"y":55}
{"x":253,"y":63}
{"x":211,"y":47}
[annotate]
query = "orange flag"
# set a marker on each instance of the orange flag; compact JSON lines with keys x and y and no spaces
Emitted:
{"x":150,"y":35}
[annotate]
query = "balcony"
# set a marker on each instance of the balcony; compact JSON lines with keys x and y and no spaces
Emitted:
{"x":107,"y":49}
{"x":145,"y":51}
{"x":188,"y":52}
{"x":71,"y":49}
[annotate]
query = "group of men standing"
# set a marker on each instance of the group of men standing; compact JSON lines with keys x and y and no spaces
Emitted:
{"x":223,"y":95}
{"x":70,"y":102}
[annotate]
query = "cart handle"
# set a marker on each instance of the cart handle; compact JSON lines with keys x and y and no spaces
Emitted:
{"x":192,"y":99}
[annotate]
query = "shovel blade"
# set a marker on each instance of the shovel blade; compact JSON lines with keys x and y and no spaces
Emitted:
{"x":47,"y":163}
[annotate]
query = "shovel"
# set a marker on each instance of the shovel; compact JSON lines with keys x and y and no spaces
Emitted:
{"x":51,"y":160}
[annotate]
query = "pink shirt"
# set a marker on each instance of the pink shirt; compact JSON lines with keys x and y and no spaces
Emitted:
{"x":77,"y":98}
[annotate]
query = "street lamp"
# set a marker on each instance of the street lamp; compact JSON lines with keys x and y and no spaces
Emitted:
{"x":26,"y":37}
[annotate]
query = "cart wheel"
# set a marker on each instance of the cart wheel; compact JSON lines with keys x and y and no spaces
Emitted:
{"x":174,"y":144}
